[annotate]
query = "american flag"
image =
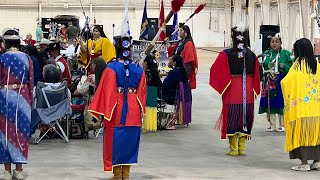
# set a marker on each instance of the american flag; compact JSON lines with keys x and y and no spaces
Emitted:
{"x":15,"y":109}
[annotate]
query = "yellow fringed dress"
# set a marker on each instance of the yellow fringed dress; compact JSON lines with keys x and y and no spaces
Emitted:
{"x":150,"y":119}
{"x":301,"y":92}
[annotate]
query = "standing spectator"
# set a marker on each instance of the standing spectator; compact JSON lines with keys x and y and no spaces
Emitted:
{"x":1,"y":44}
{"x":63,"y":31}
{"x":29,"y":39}
{"x":276,"y":64}
{"x":186,"y":49}
{"x":71,"y":32}
{"x":32,"y":51}
{"x":54,"y":51}
{"x":44,"y":44}
{"x":153,"y":82}
{"x":42,"y":57}
{"x":39,"y":32}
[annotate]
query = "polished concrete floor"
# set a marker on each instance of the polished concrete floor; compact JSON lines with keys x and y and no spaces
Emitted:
{"x":193,"y":153}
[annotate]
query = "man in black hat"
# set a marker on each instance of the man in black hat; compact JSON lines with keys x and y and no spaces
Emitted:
{"x":54,"y":52}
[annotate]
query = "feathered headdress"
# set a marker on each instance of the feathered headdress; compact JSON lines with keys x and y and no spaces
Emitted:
{"x":240,"y":35}
{"x":125,"y":48}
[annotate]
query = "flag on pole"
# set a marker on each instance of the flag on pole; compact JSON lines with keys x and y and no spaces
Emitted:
{"x":161,"y":21}
{"x":144,"y":24}
{"x":174,"y":37}
{"x":125,"y":31}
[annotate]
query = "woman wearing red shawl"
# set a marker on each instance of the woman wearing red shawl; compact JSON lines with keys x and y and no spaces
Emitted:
{"x":186,"y":49}
{"x":235,"y":76}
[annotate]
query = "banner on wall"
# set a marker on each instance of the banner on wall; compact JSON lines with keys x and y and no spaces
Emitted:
{"x":162,"y":58}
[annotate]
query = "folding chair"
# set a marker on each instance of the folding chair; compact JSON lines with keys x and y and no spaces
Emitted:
{"x":52,"y":105}
{"x":166,"y":112}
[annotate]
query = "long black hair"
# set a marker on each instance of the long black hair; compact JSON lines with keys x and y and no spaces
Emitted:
{"x":100,"y":66}
{"x":12,"y":43}
{"x":152,"y":74}
{"x":303,"y":49}
{"x":187,"y":30}
{"x":152,"y":66}
{"x":99,"y":28}
{"x":180,"y":65}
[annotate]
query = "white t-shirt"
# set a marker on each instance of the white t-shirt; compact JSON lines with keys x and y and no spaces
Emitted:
{"x":70,"y":51}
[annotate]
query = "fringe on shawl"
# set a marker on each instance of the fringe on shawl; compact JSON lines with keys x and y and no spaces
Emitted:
{"x":150,"y":119}
{"x":302,"y":132}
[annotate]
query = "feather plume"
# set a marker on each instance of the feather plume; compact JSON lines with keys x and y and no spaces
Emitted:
{"x":176,"y":5}
{"x":200,"y":8}
{"x":243,"y":25}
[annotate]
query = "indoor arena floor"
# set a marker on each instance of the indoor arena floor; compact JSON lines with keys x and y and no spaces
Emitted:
{"x":192,"y":153}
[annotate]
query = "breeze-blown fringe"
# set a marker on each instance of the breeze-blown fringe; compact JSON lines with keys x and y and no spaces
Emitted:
{"x":302,"y":132}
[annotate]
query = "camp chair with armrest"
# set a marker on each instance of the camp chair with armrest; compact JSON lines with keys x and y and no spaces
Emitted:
{"x":51,"y":108}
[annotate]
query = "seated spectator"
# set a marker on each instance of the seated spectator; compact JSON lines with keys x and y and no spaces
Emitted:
{"x":51,"y":74}
{"x":52,"y":61}
{"x":83,"y":88}
{"x":52,"y":77}
{"x":73,"y":49}
{"x":175,"y":76}
{"x":93,"y":80}
{"x":32,"y":51}
{"x":54,"y":51}
{"x":29,"y":40}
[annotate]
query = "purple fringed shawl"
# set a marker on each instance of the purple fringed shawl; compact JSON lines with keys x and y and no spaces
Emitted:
{"x":185,"y":97}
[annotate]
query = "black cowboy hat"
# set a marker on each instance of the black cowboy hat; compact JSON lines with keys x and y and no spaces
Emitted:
{"x":53,"y":46}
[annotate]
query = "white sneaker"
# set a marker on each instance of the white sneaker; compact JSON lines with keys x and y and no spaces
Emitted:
{"x":315,"y":166}
{"x":17,"y":175}
{"x":270,"y":129}
{"x":280,"y":129}
{"x":302,"y":167}
{"x":6,"y":175}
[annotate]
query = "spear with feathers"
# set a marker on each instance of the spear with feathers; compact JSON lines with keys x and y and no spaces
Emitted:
{"x":175,"y":7}
{"x":199,"y":8}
